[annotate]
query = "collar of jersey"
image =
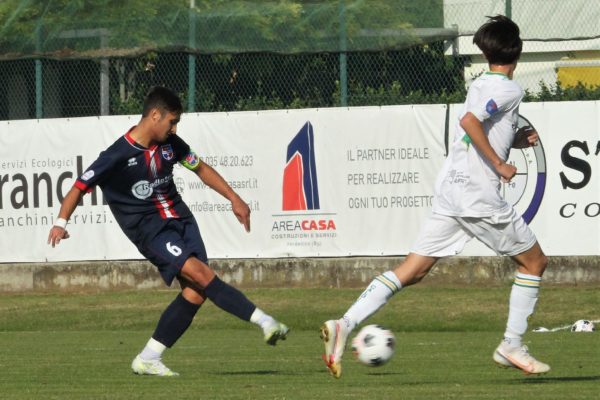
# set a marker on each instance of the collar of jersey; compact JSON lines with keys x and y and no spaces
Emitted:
{"x":135,"y":144}
{"x":496,"y":73}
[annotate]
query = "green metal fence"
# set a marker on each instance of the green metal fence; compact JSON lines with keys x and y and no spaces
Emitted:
{"x":65,"y":59}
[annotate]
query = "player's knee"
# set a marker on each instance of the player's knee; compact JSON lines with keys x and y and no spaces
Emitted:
{"x":537,"y":267}
{"x":197,"y":272}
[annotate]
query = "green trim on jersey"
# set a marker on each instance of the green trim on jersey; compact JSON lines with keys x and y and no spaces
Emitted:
{"x":467,"y":139}
{"x":496,"y":73}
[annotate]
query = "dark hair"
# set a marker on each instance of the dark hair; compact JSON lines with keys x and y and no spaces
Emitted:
{"x":162,"y":98}
{"x":499,"y":40}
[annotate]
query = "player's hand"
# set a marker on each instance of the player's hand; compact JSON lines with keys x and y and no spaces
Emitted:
{"x":506,"y":171}
{"x":525,"y":137}
{"x":242,"y":212}
{"x":56,"y":235}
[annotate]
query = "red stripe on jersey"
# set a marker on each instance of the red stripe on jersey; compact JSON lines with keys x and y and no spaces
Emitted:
{"x":148,"y":158}
{"x":128,"y":136}
{"x":165,"y":207}
{"x":82,"y":186}
{"x":157,"y":158}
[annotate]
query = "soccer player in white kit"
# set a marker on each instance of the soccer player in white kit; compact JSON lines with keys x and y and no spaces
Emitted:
{"x":468,"y":203}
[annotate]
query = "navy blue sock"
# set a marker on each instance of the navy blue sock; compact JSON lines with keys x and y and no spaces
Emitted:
{"x":175,"y":320}
{"x":228,"y":298}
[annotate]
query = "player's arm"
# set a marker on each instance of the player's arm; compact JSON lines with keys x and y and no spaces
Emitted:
{"x":69,"y":203}
{"x":215,"y":181}
{"x":474,"y":128}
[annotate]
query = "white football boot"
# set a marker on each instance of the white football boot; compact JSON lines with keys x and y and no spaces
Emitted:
{"x":335,"y":336}
{"x":151,"y":367}
{"x":276,"y":331}
{"x":519,"y":357}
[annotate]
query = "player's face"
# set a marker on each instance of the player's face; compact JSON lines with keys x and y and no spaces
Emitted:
{"x":166,"y":125}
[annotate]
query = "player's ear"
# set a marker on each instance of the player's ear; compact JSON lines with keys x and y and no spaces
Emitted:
{"x":155,"y":114}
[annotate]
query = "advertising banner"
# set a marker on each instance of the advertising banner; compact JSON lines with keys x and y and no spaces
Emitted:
{"x":319,"y":182}
{"x":332,"y":182}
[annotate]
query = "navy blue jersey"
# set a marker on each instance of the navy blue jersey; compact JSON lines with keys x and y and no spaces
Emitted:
{"x":137,"y":183}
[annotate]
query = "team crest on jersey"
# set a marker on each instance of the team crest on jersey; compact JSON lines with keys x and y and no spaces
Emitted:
{"x":491,"y":107}
{"x":167,"y":152}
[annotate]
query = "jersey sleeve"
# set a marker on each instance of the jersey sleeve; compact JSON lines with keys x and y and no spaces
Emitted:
{"x":499,"y":101}
{"x":185,"y":155}
{"x":96,"y":172}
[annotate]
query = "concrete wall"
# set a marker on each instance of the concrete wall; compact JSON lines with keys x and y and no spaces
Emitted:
{"x":311,"y":272}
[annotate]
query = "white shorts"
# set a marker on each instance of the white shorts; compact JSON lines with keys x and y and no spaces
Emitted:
{"x":442,"y":235}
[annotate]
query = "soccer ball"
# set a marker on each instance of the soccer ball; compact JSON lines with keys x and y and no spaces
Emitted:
{"x":583,"y":325}
{"x":374,"y":345}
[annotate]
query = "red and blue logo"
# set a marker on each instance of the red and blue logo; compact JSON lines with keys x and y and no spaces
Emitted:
{"x":167,"y":152}
{"x":491,"y":107}
{"x":300,"y":188}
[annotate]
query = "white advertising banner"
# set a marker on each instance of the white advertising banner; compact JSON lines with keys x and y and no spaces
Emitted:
{"x":319,"y":182}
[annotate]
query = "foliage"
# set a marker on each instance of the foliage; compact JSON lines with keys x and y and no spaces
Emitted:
{"x":558,"y":93}
{"x":212,"y":26}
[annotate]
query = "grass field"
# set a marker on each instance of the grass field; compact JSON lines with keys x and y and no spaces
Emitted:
{"x":80,"y":346}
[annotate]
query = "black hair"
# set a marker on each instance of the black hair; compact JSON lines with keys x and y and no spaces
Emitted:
{"x":162,"y":98}
{"x":499,"y":40}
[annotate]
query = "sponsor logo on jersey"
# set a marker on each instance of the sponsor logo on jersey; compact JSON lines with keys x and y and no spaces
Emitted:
{"x":87,"y":175}
{"x":131,"y":162}
{"x":167,"y":152}
{"x":142,"y":190}
{"x":491,"y":107}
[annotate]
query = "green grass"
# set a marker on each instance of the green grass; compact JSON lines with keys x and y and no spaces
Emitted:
{"x":80,"y":346}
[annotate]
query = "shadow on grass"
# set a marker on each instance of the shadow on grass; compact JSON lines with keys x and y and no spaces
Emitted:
{"x":383,"y":373}
{"x":550,"y":379}
{"x":260,"y":372}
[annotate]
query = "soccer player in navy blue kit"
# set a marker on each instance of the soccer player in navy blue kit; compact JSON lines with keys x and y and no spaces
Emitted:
{"x":136,"y":177}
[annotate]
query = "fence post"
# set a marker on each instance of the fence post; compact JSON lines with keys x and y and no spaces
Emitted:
{"x":104,"y":75}
{"x":508,"y":8}
{"x":192,"y":59}
{"x":39,"y":111}
{"x":343,"y":59}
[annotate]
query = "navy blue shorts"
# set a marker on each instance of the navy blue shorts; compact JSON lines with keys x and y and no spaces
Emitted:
{"x":177,"y":241}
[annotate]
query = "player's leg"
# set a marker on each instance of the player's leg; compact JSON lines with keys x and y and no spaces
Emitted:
{"x":173,"y":323}
{"x":195,"y":269}
{"x":440,"y":236}
{"x":168,"y":250}
{"x":334,"y":333}
{"x":231,"y":300}
{"x":523,"y":298}
{"x":508,"y":234}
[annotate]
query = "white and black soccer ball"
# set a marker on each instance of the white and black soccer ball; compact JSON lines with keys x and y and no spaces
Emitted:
{"x":583,"y":325}
{"x":374,"y":345}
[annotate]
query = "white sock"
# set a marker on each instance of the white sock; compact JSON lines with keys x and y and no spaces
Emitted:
{"x":261,"y":319}
{"x":153,"y":350}
{"x":372,"y":299}
{"x":523,"y":296}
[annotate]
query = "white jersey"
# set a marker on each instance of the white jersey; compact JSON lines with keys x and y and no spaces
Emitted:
{"x":468,"y":185}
